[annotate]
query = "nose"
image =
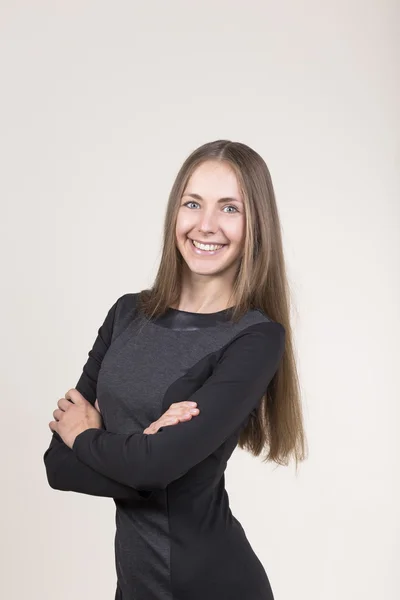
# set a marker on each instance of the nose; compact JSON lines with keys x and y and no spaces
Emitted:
{"x":207,"y":222}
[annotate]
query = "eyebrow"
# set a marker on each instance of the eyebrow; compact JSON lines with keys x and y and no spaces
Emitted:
{"x":227,"y":199}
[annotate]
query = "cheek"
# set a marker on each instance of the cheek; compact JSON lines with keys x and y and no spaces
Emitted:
{"x":234,"y":230}
{"x":184,"y":224}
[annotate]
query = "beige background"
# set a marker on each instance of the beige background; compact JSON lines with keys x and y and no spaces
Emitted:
{"x":100,"y":104}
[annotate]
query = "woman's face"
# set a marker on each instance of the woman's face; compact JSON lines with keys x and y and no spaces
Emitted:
{"x":211,"y":211}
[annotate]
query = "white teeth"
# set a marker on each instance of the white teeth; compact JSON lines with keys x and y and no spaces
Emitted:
{"x":207,"y":246}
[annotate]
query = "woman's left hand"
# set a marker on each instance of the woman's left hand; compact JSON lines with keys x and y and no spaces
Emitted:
{"x":72,"y":418}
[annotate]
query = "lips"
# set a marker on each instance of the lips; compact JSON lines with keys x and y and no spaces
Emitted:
{"x":206,"y":253}
{"x":207,"y":243}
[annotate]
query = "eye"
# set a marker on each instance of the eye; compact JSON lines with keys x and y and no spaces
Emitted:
{"x":193,"y":202}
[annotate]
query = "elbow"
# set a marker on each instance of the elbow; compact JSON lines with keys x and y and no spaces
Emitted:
{"x":53,"y":478}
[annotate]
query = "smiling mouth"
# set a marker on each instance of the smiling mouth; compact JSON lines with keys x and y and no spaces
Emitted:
{"x":206,"y":243}
{"x":203,"y":251}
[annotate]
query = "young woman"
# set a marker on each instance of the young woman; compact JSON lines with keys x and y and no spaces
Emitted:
{"x":178,"y":376}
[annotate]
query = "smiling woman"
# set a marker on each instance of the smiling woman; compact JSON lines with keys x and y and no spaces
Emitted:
{"x":214,"y":329}
{"x":210,"y":224}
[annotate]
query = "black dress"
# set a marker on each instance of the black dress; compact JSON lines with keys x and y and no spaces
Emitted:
{"x":176,"y":537}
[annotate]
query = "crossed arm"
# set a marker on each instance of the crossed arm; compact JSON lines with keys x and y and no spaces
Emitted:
{"x":132,"y":465}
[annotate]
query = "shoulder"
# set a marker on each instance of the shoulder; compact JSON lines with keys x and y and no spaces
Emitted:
{"x":256,"y":323}
{"x":124,"y":307}
{"x":262,"y":332}
{"x":252,"y":354}
{"x":258,"y":341}
{"x":127,"y":301}
{"x":123,"y":311}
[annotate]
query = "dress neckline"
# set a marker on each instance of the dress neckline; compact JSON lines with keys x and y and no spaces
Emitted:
{"x":186,"y":312}
{"x":184,"y":320}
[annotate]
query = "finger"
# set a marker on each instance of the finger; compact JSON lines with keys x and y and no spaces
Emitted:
{"x":150,"y":429}
{"x":184,"y":416}
{"x":63,"y":404}
{"x":193,"y":412}
{"x":75,"y":396}
{"x":188,"y":414}
{"x":182,"y":410}
{"x":188,"y":403}
{"x":57,"y":414}
{"x":166,"y":421}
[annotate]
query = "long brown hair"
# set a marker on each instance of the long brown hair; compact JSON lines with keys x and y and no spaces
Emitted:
{"x":261,"y":282}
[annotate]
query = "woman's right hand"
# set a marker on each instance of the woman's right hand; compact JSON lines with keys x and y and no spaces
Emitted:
{"x":177,"y":412}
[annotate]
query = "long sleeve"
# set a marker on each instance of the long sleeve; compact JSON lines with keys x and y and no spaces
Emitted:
{"x":239,"y":380}
{"x":64,"y":470}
